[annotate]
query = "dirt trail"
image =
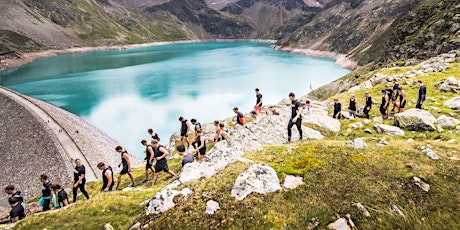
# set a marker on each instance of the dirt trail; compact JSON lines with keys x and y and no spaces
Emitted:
{"x":72,"y":151}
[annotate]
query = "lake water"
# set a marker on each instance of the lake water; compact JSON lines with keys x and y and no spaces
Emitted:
{"x":125,"y":92}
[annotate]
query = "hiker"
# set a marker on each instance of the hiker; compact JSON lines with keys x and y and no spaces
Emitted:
{"x":253,"y":114}
{"x":337,"y":109}
{"x":149,"y":158}
{"x":258,"y":106}
{"x":223,"y":131}
{"x":217,"y":136}
{"x":402,"y":99}
{"x":107,"y":177}
{"x":394,"y":96}
{"x":79,"y":180}
{"x":389,"y":93}
{"x":196,"y":124}
{"x":160,"y":155}
{"x":153,"y":134}
{"x":307,"y":107}
{"x":352,"y":106}
{"x":184,"y":129}
{"x":200,"y":145}
{"x":63,"y":200}
{"x":47,"y":193}
{"x":296,"y":116}
{"x":186,"y":157}
{"x":421,"y":94}
{"x":126,"y":167}
{"x":17,"y":210}
{"x":368,"y":105}
{"x":239,"y":116}
{"x":384,"y":104}
{"x":11,"y":191}
{"x":273,"y":110}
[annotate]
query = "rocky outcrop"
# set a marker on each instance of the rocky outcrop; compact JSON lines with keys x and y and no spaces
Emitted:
{"x":388,"y":129}
{"x":451,"y":84}
{"x":447,"y":122}
{"x":453,"y":103}
{"x":163,"y":199}
{"x":259,"y":178}
{"x":415,"y":120}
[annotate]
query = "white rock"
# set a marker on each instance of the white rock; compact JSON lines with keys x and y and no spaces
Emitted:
{"x":410,"y":140}
{"x":378,"y":119}
{"x":212,"y":207}
{"x":259,"y":178}
{"x":323,"y":121}
{"x":388,"y":129}
{"x":421,"y":184}
{"x":432,"y":155}
{"x":396,"y":210}
{"x":447,"y":122}
{"x":450,"y":84}
{"x":415,"y":120}
{"x":340,"y":224}
{"x":362,"y":209}
{"x":453,"y":103}
{"x":358,"y":143}
{"x":292,"y":182}
{"x":163,"y":199}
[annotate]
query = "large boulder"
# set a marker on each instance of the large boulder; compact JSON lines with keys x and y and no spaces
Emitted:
{"x":450,"y":84}
{"x":322,"y":121}
{"x":453,"y":103}
{"x":388,"y":129}
{"x":259,"y":178}
{"x":447,"y":122}
{"x":358,"y":143}
{"x":213,"y":162}
{"x":415,"y":120}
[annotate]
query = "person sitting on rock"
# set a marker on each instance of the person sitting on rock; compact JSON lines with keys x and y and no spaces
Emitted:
{"x":186,"y":157}
{"x":402,"y":99}
{"x":384,"y":104}
{"x":239,"y":116}
{"x":160,"y":155}
{"x":200,"y":145}
{"x":63,"y":200}
{"x":307,"y":107}
{"x":17,"y":210}
{"x":217,"y":136}
{"x":273,"y":110}
{"x":337,"y":109}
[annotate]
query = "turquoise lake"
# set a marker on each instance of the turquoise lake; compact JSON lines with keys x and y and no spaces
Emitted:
{"x":125,"y":92}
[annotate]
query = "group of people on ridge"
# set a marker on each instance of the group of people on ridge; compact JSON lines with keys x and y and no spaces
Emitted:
{"x":389,"y":97}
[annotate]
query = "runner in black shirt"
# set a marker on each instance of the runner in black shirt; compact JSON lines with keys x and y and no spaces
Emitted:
{"x":107,"y":177}
{"x":17,"y":210}
{"x":184,"y":129}
{"x":337,"y":109}
{"x":160,"y":155}
{"x":153,"y":135}
{"x":395,"y":95}
{"x":200,"y":145}
{"x":126,"y":166}
{"x":149,"y":159}
{"x":11,"y":191}
{"x":421,"y":95}
{"x":196,"y":124}
{"x":47,"y":193}
{"x":63,"y":200}
{"x":258,"y":106}
{"x":368,"y":105}
{"x":79,"y":180}
{"x":384,"y":105}
{"x":296,"y":116}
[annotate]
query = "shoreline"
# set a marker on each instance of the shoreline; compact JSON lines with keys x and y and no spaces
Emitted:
{"x":25,"y":58}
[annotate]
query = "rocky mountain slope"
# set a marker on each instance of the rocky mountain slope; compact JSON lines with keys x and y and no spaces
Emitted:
{"x":377,"y":31}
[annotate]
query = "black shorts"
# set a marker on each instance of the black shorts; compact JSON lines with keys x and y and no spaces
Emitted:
{"x":161,"y":167}
{"x":148,"y":165}
{"x":124,"y":171}
{"x":183,"y":134}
